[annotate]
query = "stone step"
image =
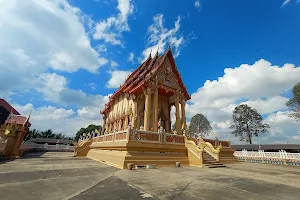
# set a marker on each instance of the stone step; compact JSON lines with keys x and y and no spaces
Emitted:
{"x":213,"y":164}
{"x":158,"y":163}
{"x":216,"y":166}
{"x":204,"y":160}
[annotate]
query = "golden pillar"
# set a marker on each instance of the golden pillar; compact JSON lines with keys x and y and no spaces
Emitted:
{"x":104,"y":124}
{"x":120,"y":124}
{"x":147,"y":109}
{"x":177,"y":114}
{"x":155,"y":109}
{"x":106,"y":128}
{"x":125,"y":123}
{"x":168,"y":123}
{"x":134,"y":114}
{"x":115,"y":126}
{"x":183,"y":114}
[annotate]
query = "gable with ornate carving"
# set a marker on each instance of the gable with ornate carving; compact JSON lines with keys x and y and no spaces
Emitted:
{"x":166,"y":76}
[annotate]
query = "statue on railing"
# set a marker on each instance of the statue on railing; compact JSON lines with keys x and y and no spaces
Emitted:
{"x":141,"y":127}
{"x":160,"y":126}
{"x":97,"y":132}
{"x":216,"y":139}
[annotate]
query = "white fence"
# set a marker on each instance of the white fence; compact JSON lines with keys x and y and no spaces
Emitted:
{"x":281,"y":157}
{"x":46,"y":147}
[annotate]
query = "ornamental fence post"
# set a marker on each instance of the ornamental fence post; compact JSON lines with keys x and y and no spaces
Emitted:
{"x":161,"y":135}
{"x":128,"y":132}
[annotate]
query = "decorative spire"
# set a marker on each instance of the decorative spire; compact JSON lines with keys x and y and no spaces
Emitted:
{"x":169,"y":47}
{"x":170,"y":43}
{"x":27,"y":120}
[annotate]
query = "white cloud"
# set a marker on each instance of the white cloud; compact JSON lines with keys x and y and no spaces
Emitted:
{"x":93,"y":86}
{"x":28,"y":46}
{"x":50,"y":85}
{"x":55,"y":89}
{"x":160,"y":37}
{"x":117,"y":78}
{"x":260,"y":85}
{"x":283,"y":129}
{"x":113,"y":64}
{"x":131,"y":57}
{"x":268,"y":106}
{"x":285,"y":3}
{"x":250,"y":81}
{"x":110,"y":29}
{"x":60,"y":120}
{"x":197,"y":5}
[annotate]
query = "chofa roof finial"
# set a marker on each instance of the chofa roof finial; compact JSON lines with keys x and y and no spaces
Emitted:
{"x":170,"y":43}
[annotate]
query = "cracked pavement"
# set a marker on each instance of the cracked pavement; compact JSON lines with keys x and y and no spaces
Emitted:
{"x":58,"y":175}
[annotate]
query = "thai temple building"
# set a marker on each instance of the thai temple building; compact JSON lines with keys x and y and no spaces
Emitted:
{"x":137,"y":123}
{"x":13,"y":128}
{"x":146,"y":98}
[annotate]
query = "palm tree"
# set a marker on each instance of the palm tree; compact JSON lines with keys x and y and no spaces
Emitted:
{"x":32,"y":133}
{"x":47,"y":134}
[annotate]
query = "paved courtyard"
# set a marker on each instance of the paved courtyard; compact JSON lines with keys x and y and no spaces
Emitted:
{"x":59,"y":176}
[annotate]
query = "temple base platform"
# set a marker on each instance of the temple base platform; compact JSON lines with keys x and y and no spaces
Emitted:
{"x":163,"y":149}
{"x":227,"y":157}
{"x":119,"y":154}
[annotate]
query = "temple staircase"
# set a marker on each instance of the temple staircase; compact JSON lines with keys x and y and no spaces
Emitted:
{"x":82,"y":148}
{"x":210,"y":161}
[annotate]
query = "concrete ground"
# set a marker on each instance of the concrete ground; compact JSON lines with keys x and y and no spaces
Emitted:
{"x":58,"y":175}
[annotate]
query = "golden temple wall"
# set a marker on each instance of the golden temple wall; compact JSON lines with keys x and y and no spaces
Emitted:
{"x":124,"y":103}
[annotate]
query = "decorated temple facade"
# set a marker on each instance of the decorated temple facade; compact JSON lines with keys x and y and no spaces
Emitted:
{"x":146,"y":98}
{"x":137,"y":123}
{"x":13,"y":128}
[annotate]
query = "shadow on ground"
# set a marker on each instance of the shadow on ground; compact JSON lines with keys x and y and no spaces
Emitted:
{"x":59,"y":175}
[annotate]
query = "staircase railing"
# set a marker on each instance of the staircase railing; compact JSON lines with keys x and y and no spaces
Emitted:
{"x":194,"y":148}
{"x":209,"y":149}
{"x":194,"y":153}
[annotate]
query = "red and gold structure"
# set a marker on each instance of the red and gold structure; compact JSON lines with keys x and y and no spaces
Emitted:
{"x":12,"y":133}
{"x":137,"y":120}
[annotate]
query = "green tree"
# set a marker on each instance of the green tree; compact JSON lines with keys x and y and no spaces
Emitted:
{"x":88,"y":129}
{"x":32,"y":133}
{"x":199,"y":120}
{"x":47,"y":134}
{"x":247,"y":122}
{"x":173,"y":128}
{"x":294,"y":103}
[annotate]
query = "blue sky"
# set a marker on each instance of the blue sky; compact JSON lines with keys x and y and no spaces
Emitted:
{"x":63,"y":58}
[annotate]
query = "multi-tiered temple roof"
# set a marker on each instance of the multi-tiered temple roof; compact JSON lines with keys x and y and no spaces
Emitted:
{"x":136,"y":81}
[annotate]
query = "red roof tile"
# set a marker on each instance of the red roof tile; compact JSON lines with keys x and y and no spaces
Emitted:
{"x":8,"y":107}
{"x":136,"y":79}
{"x":18,"y":119}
